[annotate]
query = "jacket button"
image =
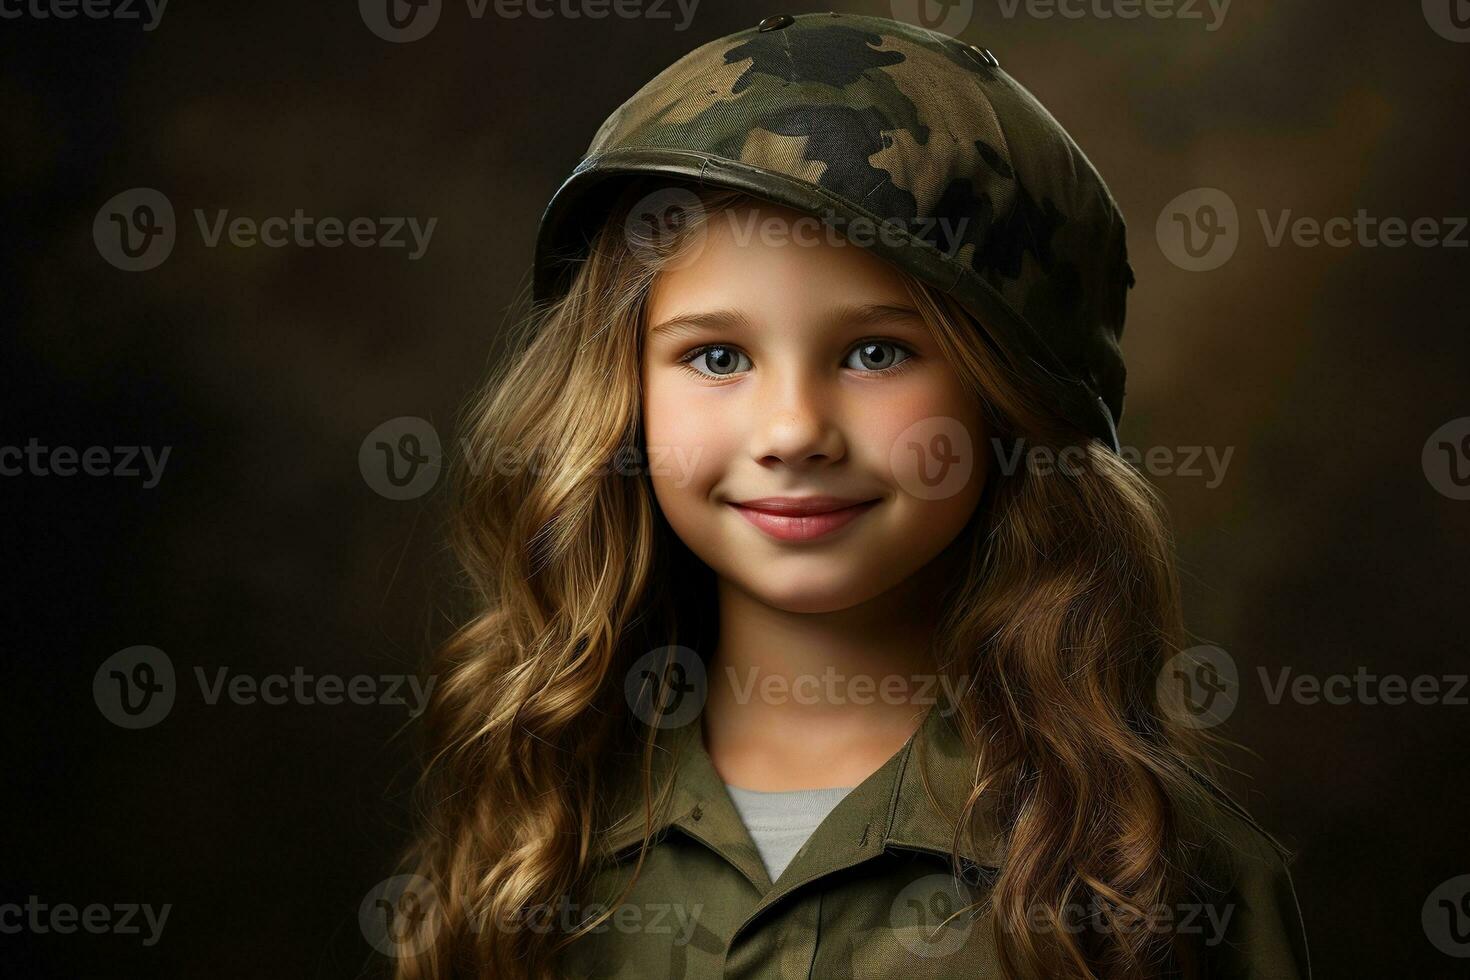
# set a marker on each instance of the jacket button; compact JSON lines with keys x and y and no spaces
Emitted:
{"x":775,"y":23}
{"x":697,"y":812}
{"x":982,"y":55}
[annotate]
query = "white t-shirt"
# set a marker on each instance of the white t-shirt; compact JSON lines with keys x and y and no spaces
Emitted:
{"x":779,"y":823}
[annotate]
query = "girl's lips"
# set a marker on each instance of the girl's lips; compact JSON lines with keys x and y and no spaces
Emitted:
{"x":802,"y":527}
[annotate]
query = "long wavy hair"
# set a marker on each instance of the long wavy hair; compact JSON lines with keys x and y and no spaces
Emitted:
{"x":1067,"y":612}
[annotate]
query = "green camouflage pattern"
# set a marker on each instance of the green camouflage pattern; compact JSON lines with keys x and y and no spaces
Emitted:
{"x":871,"y":893}
{"x":864,"y":119}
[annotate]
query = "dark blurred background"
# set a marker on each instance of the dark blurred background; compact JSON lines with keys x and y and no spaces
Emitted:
{"x":1335,"y":539}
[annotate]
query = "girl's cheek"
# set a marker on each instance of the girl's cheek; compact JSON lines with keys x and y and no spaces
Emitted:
{"x":926,"y":442}
{"x":689,"y":438}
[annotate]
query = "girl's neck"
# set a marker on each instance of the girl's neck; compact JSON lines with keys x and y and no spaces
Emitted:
{"x":808,"y":700}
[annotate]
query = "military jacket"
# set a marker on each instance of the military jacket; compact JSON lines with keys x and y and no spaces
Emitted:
{"x":873,"y":892}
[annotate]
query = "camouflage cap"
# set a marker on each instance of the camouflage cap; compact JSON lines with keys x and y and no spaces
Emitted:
{"x":864,"y":121}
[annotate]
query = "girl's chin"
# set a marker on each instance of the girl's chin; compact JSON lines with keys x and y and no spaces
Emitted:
{"x":802,"y":594}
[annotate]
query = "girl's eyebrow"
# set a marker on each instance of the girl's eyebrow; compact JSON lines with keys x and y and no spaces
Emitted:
{"x":868,"y":314}
{"x":717,"y":319}
{"x":875,"y":314}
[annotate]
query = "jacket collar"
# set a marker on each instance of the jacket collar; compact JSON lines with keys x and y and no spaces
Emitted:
{"x":891,"y":809}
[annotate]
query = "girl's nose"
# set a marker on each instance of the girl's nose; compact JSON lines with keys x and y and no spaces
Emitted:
{"x":796,"y":425}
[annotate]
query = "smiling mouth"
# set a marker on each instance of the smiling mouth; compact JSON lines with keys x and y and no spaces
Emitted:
{"x":795,"y":519}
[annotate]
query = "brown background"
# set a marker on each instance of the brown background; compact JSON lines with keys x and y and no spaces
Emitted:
{"x":1325,"y":548}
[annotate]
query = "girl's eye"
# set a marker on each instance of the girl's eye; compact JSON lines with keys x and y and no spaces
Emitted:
{"x":720,"y":361}
{"x":876,"y":355}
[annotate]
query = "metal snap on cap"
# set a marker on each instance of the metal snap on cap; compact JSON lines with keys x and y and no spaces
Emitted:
{"x":775,"y":23}
{"x":982,"y":55}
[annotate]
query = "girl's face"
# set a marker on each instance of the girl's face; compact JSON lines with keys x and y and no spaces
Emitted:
{"x":808,"y":441}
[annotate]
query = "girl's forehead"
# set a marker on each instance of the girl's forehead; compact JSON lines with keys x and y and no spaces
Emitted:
{"x":760,"y":256}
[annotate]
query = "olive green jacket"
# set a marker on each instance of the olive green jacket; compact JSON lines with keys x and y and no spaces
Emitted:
{"x":871,"y":892}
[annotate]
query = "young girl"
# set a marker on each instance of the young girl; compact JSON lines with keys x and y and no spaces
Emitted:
{"x":820,"y":626}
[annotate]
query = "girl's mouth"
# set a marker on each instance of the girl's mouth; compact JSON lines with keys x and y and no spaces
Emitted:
{"x":801,"y":518}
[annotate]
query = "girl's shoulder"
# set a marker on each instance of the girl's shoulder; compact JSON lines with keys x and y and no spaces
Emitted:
{"x":1239,"y":889}
{"x":1212,"y":814}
